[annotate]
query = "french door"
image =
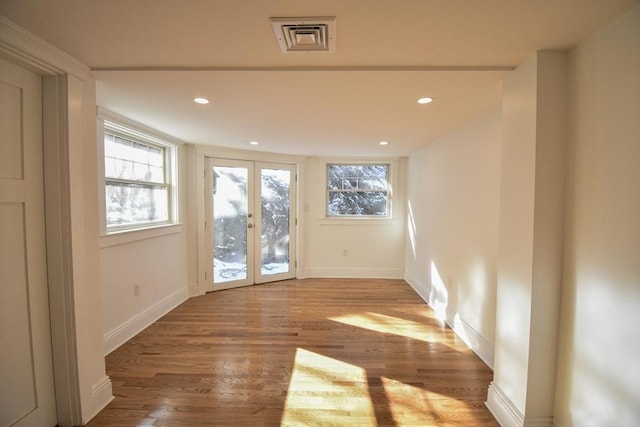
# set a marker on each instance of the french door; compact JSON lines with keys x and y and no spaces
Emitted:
{"x":250,"y":222}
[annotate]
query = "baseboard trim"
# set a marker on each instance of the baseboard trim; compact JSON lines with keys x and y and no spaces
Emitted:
{"x":502,"y":408}
{"x":194,"y":290}
{"x":473,"y":339}
{"x":123,"y":333}
{"x":508,"y":415}
{"x":354,"y":273}
{"x":476,"y":342}
{"x":102,"y":395}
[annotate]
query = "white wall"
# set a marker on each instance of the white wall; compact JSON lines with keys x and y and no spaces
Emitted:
{"x":598,"y":380}
{"x":156,"y":260}
{"x":451,"y":248}
{"x":351,"y":247}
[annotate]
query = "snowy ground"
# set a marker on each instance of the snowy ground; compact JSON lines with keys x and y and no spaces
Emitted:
{"x":230,"y":271}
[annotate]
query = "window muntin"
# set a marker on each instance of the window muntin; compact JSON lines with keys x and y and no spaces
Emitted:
{"x":137,"y":189}
{"x":357,"y":190}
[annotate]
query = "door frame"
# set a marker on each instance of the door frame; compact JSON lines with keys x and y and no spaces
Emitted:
{"x":59,"y":128}
{"x":196,"y":161}
{"x":254,"y":253}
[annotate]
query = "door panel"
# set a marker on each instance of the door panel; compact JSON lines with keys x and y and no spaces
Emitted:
{"x":276,"y":225}
{"x":249,"y":226}
{"x":27,"y":394}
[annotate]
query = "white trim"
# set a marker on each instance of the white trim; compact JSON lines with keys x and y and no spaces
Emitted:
{"x":136,"y":129}
{"x":102,"y":394}
{"x":194,"y":290}
{"x":475,"y":341}
{"x":134,"y":235}
{"x":129,"y":329}
{"x":36,"y":53}
{"x":355,"y":221}
{"x":502,"y":408}
{"x":421,"y":288}
{"x":508,"y":415}
{"x":538,"y":422}
{"x":353,"y":273}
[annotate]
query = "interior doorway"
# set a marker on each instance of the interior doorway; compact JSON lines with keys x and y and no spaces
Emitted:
{"x":250,"y":222}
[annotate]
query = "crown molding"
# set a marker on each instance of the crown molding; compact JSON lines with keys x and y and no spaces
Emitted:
{"x":31,"y":50}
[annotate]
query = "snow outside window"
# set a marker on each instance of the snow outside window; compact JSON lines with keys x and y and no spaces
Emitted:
{"x":137,"y":182}
{"x":358,"y":190}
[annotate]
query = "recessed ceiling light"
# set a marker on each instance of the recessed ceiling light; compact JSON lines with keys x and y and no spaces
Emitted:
{"x":254,"y":143}
{"x":425,"y":100}
{"x":201,"y":101}
{"x":383,"y":143}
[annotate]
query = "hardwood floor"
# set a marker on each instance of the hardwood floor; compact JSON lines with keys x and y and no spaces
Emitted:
{"x":299,"y":352}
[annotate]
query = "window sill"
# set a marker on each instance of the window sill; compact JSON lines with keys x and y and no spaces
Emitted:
{"x":358,"y":221}
{"x":128,"y":236}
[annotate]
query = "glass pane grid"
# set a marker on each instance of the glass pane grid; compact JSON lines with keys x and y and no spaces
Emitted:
{"x":357,"y":190}
{"x":134,"y":161}
{"x":136,"y":192}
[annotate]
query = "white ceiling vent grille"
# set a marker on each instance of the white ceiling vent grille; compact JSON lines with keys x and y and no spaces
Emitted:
{"x":314,"y":34}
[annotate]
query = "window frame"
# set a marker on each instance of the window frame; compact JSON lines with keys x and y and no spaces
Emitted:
{"x":363,"y":219}
{"x":126,"y":129}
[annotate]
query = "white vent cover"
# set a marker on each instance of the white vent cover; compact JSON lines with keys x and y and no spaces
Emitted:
{"x":313,"y":34}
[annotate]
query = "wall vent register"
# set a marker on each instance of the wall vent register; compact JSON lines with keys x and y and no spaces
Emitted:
{"x":313,"y":34}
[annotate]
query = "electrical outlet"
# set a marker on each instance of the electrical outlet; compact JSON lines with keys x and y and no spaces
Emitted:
{"x":136,"y":289}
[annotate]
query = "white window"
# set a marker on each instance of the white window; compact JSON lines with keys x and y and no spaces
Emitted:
{"x":138,"y":179}
{"x":358,"y":190}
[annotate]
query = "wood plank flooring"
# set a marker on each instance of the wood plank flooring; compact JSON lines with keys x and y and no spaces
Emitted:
{"x":315,"y":352}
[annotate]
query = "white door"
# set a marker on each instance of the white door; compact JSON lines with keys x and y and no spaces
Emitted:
{"x":250,"y":222}
{"x":27,"y":396}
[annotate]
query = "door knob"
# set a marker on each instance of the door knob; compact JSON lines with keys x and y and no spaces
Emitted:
{"x":250,"y":225}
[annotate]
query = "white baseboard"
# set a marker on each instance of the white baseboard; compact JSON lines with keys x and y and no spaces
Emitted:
{"x":194,"y":290}
{"x":101,"y":396}
{"x":354,"y":273}
{"x":502,"y":408}
{"x":123,"y":333}
{"x":471,"y":337}
{"x":475,"y":341}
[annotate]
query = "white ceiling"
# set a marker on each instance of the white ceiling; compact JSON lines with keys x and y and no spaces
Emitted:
{"x":151,"y":57}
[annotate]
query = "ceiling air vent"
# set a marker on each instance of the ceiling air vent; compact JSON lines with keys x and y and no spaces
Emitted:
{"x":316,"y":34}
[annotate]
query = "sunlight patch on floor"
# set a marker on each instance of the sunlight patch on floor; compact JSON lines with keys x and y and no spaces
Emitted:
{"x":389,"y":325}
{"x":326,"y":390}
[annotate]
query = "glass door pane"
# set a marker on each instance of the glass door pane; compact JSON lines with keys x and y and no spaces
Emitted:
{"x":230,"y":224}
{"x":277,"y":226}
{"x":274,"y":192}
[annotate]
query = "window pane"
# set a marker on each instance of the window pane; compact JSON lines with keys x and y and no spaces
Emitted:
{"x":274,"y":191}
{"x":140,"y":153}
{"x":364,"y":184}
{"x":367,"y":187}
{"x":335,"y":171}
{"x":141,"y":172}
{"x":136,"y":161}
{"x":156,"y":157}
{"x":358,"y":203}
{"x":379,"y":184}
{"x":133,"y":204}
{"x":350,"y":184}
{"x":350,"y":171}
{"x":335,"y":183}
{"x":374,"y":171}
{"x":156,"y":174}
